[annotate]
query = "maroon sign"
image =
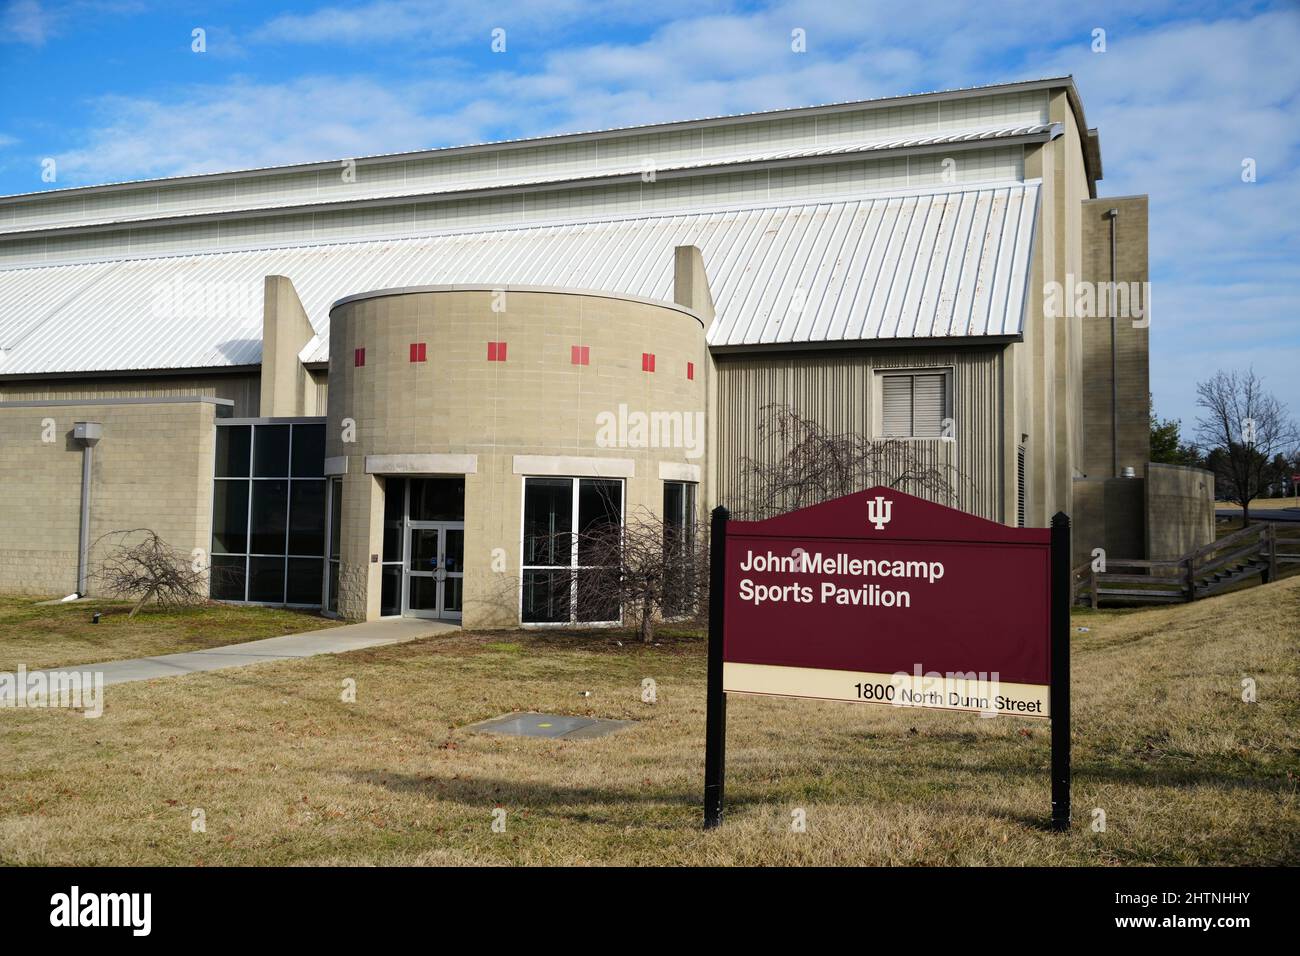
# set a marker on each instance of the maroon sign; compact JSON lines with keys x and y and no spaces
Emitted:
{"x":881,"y":583}
{"x":886,"y":598}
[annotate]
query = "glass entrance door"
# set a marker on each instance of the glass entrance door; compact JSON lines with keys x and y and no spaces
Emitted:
{"x":435,"y":569}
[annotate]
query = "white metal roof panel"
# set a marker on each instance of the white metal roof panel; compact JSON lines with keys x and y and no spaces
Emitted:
{"x":911,"y":265}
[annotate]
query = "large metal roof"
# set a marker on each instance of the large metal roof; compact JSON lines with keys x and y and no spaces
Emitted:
{"x":916,"y":264}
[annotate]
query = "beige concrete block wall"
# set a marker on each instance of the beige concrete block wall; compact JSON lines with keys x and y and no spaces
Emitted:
{"x":535,"y":403}
{"x":1179,"y":510}
{"x":691,"y":289}
{"x":1108,"y":513}
{"x":288,"y":388}
{"x":1131,"y":342}
{"x":152,"y":469}
{"x":361,"y":537}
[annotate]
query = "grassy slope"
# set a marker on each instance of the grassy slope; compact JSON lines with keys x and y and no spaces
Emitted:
{"x":61,"y":634}
{"x":287,"y":773}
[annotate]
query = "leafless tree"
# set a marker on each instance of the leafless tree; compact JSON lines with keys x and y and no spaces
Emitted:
{"x":151,"y":570}
{"x":645,"y":571}
{"x":801,"y":463}
{"x":1244,"y":427}
{"x":651,"y":569}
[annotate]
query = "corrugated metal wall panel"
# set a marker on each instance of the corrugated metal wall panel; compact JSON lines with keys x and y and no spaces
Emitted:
{"x":322,"y":393}
{"x":836,"y":389}
{"x":244,"y":389}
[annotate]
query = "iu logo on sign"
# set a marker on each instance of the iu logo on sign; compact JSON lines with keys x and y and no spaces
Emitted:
{"x":879,"y":511}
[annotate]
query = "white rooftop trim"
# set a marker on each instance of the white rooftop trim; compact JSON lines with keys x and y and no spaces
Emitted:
{"x":915,"y":264}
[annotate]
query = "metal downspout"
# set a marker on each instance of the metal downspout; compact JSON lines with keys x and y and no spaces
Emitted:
{"x":1113,"y":215}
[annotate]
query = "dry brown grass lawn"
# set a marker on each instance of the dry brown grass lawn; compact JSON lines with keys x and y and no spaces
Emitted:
{"x":62,"y":634}
{"x":286,"y":773}
{"x":1267,"y":503}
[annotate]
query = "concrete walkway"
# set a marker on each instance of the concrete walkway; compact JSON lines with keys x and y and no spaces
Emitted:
{"x":334,"y":640}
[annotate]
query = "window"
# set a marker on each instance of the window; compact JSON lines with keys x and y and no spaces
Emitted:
{"x":437,"y":499}
{"x":393,"y":556}
{"x":336,"y":540}
{"x":566,"y":521}
{"x":268,"y":513}
{"x":915,"y":404}
{"x":679,"y":547}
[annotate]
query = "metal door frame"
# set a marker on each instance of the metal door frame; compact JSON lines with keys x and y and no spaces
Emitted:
{"x":440,"y":574}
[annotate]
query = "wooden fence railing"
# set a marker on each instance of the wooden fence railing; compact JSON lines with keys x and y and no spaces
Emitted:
{"x":1256,"y":551}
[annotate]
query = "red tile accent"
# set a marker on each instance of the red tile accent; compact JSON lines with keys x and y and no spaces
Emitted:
{"x":418,"y":351}
{"x":496,"y":351}
{"x":690,"y":371}
{"x":647,"y":361}
{"x":580,"y":355}
{"x":359,"y":358}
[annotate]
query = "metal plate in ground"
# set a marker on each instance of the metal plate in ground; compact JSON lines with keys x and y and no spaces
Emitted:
{"x":557,"y":726}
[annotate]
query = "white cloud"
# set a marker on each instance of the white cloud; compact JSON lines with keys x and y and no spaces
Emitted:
{"x":32,"y":23}
{"x":442,"y":24}
{"x":26,"y":21}
{"x":246,"y":124}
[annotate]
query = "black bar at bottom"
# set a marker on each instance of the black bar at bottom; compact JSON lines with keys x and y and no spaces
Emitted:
{"x":1059,"y":694}
{"x":715,"y":720}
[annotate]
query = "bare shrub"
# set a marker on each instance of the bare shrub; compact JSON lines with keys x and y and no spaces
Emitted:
{"x":803,"y":464}
{"x":151,"y":570}
{"x":650,"y":570}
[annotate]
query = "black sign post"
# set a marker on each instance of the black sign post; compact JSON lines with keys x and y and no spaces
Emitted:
{"x":715,"y":719}
{"x":1060,"y":689}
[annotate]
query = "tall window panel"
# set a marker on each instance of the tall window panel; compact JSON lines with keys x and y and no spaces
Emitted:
{"x":566,"y":521}
{"x":268,"y":514}
{"x":335,"y":543}
{"x":393,"y":556}
{"x":679,"y":548}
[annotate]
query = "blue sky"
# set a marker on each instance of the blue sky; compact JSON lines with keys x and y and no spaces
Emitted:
{"x":1183,"y":93}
